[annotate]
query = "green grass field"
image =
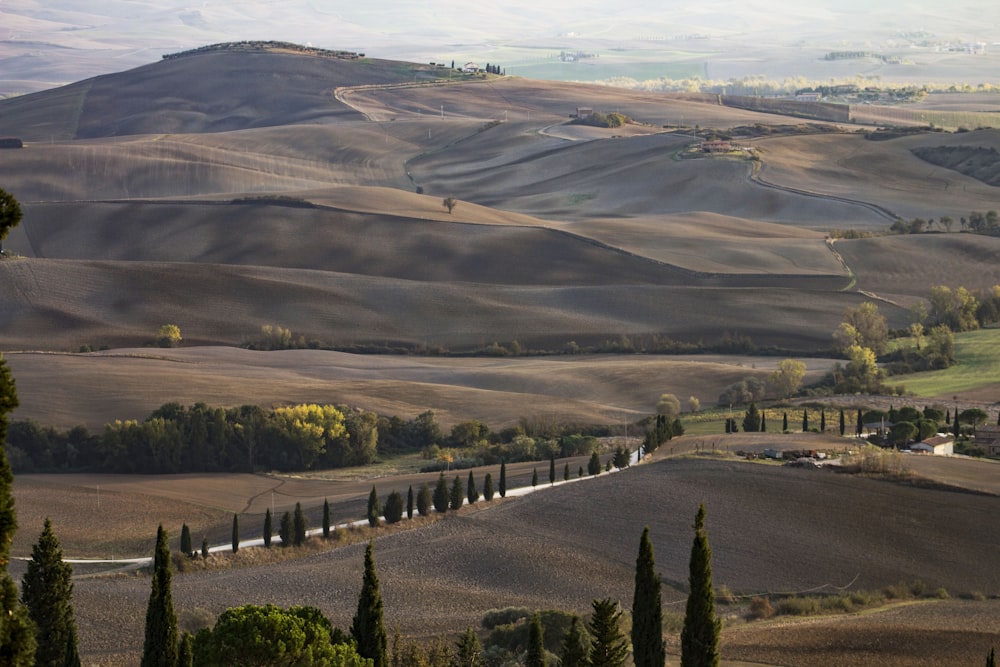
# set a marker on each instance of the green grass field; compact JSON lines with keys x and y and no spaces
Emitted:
{"x":978,"y":355}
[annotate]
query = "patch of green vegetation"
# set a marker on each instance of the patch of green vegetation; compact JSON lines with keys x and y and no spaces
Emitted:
{"x":577,"y":199}
{"x":978,"y":365}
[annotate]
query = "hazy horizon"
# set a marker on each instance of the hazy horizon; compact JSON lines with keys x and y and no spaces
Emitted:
{"x":66,"y":41}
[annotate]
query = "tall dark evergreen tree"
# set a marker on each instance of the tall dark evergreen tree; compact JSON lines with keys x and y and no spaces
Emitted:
{"x":160,"y":646}
{"x":503,"y":479}
{"x":300,"y":525}
{"x":859,"y":426}
{"x":552,"y":470}
{"x":956,"y":427}
{"x":488,"y":488}
{"x":185,"y":652}
{"x":843,"y":422}
{"x":822,"y":421}
{"x":805,"y":420}
{"x":608,"y":646}
{"x":47,"y":592}
{"x":472,"y":493}
{"x":268,"y":528}
{"x":424,"y":501}
{"x":751,"y":419}
{"x":534,"y":477}
{"x":566,"y":472}
{"x":784,"y":421}
{"x":285,"y":530}
{"x":575,"y":646}
{"x":17,"y":636}
{"x":700,"y":636}
{"x":186,"y":546}
{"x":393,"y":510}
{"x":456,"y":497}
{"x":763,"y":421}
{"x":326,"y":518}
{"x":409,"y":503}
{"x":368,"y":629}
{"x":441,"y":495}
{"x":536,"y":643}
{"x":236,"y":533}
{"x":468,"y":650}
{"x":204,"y":547}
{"x":374,"y":510}
{"x":647,"y":609}
{"x":594,"y":465}
{"x":991,"y":659}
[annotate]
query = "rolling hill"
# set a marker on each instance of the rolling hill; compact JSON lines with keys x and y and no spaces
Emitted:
{"x":223,"y":191}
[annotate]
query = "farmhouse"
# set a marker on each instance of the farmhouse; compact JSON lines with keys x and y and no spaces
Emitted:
{"x":716,"y":146}
{"x":988,"y":437}
{"x":470,"y":67}
{"x":584,"y":112}
{"x":938,"y":445}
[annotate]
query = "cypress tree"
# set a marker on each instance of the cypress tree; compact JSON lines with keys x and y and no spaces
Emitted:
{"x":236,"y":533}
{"x":368,"y":629}
{"x":784,"y":421}
{"x":186,"y":547}
{"x":536,"y":643}
{"x":326,"y":519}
{"x":579,"y":471}
{"x":947,"y":417}
{"x":763,"y":421}
{"x":552,"y":470}
{"x":843,"y":422}
{"x":647,"y":609}
{"x":488,"y":488}
{"x":441,"y":495}
{"x":160,"y":647}
{"x":594,"y":465}
{"x":608,"y":647}
{"x":285,"y":531}
{"x":503,"y":479}
{"x":47,"y":592}
{"x":957,"y":430}
{"x":393,"y":510}
{"x":268,"y":530}
{"x":700,"y":636}
{"x":373,"y":508}
{"x":805,"y":420}
{"x":574,"y":646}
{"x":751,"y":419}
{"x":534,"y":477}
{"x":185,"y":653}
{"x":409,"y":503}
{"x":424,"y":500}
{"x":17,"y":636}
{"x":566,"y":472}
{"x":471,"y":492}
{"x":204,"y":547}
{"x":300,"y":525}
{"x":456,"y":497}
{"x":991,"y":659}
{"x":822,"y":421}
{"x":860,"y":425}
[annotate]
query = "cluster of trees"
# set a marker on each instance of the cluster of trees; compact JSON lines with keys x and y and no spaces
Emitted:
{"x":976,"y":222}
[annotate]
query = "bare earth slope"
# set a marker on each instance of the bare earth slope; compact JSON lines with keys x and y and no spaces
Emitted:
{"x":542,"y":551}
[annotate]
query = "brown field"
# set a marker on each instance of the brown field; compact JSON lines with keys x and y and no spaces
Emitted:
{"x":136,"y":216}
{"x":772,"y":530}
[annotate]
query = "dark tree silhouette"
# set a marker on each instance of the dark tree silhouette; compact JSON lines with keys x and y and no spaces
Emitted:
{"x":700,"y":636}
{"x":47,"y":592}
{"x":160,"y":646}
{"x":647,"y":609}
{"x":368,"y":629}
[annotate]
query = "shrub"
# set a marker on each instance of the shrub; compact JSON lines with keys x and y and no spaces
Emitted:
{"x":760,"y":607}
{"x":798,"y":606}
{"x":393,"y":510}
{"x":505,"y":616}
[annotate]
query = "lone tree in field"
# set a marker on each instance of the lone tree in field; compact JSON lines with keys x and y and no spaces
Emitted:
{"x":169,"y":335}
{"x":300,"y":525}
{"x":608,"y":646}
{"x":700,"y":636}
{"x":17,"y":636}
{"x":536,"y":643}
{"x":368,"y":629}
{"x":503,"y":479}
{"x":47,"y":592}
{"x":160,"y":647}
{"x":268,"y":529}
{"x":373,"y":508}
{"x":449,"y":203}
{"x":10,"y":214}
{"x":647,"y":609}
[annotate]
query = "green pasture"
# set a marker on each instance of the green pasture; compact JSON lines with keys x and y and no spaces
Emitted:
{"x":978,"y":356}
